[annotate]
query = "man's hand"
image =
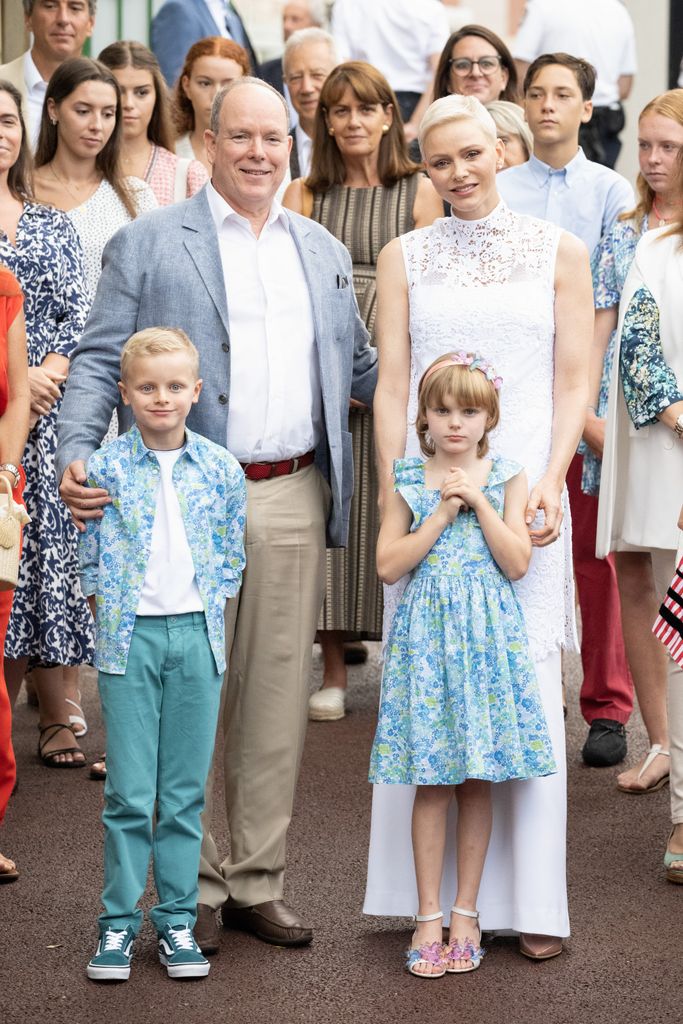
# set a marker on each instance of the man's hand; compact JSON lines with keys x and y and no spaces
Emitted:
{"x":83,"y":502}
{"x":546,"y":496}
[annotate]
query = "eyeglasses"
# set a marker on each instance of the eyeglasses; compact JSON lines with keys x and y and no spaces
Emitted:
{"x":463,"y":65}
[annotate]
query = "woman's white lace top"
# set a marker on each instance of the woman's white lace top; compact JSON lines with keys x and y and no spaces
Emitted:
{"x":487,"y":286}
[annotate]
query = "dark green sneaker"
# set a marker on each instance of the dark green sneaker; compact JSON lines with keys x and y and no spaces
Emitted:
{"x":180,"y":954}
{"x":111,"y":961}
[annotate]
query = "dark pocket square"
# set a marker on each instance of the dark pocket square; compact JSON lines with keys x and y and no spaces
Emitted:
{"x":342,"y":282}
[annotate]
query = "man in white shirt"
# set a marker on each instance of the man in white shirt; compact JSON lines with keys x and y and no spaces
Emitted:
{"x":559,"y":184}
{"x":267,"y":297}
{"x":308,"y":59}
{"x":60,"y":29}
{"x":601,"y":32}
{"x":403,"y":39}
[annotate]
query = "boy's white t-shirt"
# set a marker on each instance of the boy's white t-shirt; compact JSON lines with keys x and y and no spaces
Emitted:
{"x":170,"y":584}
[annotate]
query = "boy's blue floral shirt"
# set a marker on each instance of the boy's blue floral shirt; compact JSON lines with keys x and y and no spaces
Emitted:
{"x":114,"y":550}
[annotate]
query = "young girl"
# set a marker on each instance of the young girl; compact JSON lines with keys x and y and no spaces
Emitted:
{"x":147,"y":136}
{"x":460,"y":704}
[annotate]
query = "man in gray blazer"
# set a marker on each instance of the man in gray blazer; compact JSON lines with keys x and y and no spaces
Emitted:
{"x":267,"y":298}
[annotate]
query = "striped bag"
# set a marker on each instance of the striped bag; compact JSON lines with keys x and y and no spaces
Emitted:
{"x":669,"y":624}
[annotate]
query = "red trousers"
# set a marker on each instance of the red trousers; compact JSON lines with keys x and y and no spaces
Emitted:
{"x":8,"y":768}
{"x":607,"y":688}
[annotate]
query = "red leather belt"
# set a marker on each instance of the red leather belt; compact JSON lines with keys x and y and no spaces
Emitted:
{"x":266,"y":470}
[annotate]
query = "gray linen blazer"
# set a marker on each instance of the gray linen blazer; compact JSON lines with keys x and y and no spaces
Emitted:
{"x":164,"y":269}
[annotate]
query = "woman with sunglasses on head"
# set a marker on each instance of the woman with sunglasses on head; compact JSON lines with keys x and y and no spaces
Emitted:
{"x":148,"y":143}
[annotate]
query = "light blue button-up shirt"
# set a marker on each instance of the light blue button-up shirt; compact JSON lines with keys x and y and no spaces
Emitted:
{"x":114,"y":551}
{"x":583,"y":197}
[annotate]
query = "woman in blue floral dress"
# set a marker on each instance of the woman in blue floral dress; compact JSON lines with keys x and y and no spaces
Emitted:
{"x":50,"y":627}
{"x":660,"y":135}
{"x":460,"y":704}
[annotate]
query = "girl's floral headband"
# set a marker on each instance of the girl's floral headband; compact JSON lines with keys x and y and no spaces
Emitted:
{"x":472,"y":361}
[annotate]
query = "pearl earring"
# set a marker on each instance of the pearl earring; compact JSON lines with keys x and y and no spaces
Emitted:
{"x":330,"y":131}
{"x":53,"y":121}
{"x":385,"y":129}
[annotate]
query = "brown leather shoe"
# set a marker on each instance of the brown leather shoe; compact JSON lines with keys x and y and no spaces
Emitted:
{"x":272,"y":922}
{"x":539,"y":947}
{"x":206,"y":932}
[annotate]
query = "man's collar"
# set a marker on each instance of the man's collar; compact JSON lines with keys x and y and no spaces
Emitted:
{"x":221,"y":210}
{"x":32,"y":75}
{"x":541,"y":172}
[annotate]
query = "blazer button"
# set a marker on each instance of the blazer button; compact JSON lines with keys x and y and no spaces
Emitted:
{"x":225,"y":346}
{"x":223,"y":399}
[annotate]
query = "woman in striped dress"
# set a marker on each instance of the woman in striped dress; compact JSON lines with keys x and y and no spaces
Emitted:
{"x":366,"y":191}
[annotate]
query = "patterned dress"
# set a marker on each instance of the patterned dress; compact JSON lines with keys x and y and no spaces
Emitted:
{"x":459,"y":693}
{"x":50,"y":621}
{"x":610,"y":265}
{"x":161,"y":172}
{"x":365,"y":220}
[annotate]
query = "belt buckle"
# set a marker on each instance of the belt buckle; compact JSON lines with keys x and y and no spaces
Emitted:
{"x":295,"y":465}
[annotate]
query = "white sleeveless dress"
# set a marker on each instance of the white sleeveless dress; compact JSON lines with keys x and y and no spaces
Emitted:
{"x":487,"y":286}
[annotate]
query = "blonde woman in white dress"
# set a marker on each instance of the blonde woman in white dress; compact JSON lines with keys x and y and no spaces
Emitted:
{"x":517,"y":290}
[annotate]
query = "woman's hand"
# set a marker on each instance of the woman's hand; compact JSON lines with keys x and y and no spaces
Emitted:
{"x":546,"y":496}
{"x":45,"y":389}
{"x":594,"y":433}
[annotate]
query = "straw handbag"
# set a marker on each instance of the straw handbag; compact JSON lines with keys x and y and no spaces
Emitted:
{"x":12,"y":518}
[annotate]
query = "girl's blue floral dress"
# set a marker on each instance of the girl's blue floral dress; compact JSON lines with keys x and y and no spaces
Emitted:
{"x":459,"y":693}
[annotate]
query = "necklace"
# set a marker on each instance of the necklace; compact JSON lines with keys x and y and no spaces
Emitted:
{"x":74,"y":195}
{"x":661,"y":221}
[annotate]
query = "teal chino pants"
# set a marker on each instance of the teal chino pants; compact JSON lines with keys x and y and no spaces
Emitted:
{"x":160,"y":719}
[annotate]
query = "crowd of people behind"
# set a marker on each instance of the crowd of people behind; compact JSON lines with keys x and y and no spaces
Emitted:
{"x":427,"y":343}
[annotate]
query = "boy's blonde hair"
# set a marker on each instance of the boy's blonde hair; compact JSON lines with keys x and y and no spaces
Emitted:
{"x":154,"y":341}
{"x":466,"y":385}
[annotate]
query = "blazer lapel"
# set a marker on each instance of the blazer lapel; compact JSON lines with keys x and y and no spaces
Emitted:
{"x":201,"y":242}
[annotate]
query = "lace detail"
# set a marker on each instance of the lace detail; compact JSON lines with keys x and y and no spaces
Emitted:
{"x":488,"y":286}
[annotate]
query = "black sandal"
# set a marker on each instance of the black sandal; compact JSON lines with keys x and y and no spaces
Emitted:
{"x":47,"y":758}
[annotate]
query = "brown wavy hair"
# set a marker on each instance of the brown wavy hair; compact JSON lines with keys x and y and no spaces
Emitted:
{"x":442,"y":77}
{"x":20,"y":177}
{"x":667,"y":104}
{"x":66,"y":79}
{"x":211,"y":46}
{"x":368,"y":86}
{"x":455,"y":383}
{"x":127,"y":53}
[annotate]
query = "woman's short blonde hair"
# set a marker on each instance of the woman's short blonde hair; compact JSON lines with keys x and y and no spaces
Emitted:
{"x":455,"y":108}
{"x":509,"y":120}
{"x":154,"y":341}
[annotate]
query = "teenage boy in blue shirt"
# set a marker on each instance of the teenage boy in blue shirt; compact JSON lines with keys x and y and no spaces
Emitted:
{"x":157,"y":568}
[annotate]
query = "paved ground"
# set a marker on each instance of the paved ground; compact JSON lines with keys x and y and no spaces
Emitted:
{"x":622,"y":966}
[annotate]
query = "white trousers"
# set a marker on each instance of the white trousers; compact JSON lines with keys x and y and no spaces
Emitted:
{"x":524,"y":885}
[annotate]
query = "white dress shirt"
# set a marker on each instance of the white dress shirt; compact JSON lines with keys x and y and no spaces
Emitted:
{"x":600,"y":31}
{"x":217,"y":10}
{"x":36,"y":88}
{"x":275,"y":409}
{"x":304,"y":148}
{"x":397,"y":36}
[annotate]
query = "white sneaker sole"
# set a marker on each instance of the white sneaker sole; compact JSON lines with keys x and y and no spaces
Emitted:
{"x":107,"y":973}
{"x":326,"y":714}
{"x":185,"y":970}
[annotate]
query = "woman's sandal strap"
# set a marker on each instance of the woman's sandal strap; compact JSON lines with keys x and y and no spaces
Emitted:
{"x":465,"y":913}
{"x":428,"y":917}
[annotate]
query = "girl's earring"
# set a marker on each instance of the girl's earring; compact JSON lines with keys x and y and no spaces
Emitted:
{"x":330,"y":131}
{"x":53,"y":122}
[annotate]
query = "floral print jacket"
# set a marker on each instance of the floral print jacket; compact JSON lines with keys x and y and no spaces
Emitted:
{"x":114,"y":550}
{"x":649,"y":383}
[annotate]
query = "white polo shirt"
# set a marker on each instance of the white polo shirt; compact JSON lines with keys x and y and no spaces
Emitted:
{"x":600,"y":31}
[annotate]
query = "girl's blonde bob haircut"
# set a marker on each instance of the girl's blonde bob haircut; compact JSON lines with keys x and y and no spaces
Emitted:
{"x":468,"y":388}
{"x":156,"y":341}
{"x":456,"y":108}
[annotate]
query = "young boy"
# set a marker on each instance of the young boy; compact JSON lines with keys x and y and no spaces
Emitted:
{"x":157,"y":569}
{"x":559,"y":184}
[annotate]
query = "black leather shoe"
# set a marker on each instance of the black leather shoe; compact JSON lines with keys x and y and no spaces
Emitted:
{"x":605,"y":745}
{"x":272,"y":922}
{"x":206,"y":933}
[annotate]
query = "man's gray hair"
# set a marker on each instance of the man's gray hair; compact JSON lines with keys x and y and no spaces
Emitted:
{"x":317,"y":9}
{"x":30,"y":4}
{"x":304,"y":36}
{"x":217,"y":104}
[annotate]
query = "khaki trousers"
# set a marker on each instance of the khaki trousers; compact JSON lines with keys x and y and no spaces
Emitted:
{"x":270,"y":631}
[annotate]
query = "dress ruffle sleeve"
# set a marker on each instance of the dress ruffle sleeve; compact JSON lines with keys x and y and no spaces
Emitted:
{"x":649,"y":384}
{"x":502,"y":470}
{"x":409,"y":481}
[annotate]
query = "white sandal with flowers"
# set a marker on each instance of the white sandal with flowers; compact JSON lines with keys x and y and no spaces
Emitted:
{"x":430,"y":954}
{"x":467,"y":950}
